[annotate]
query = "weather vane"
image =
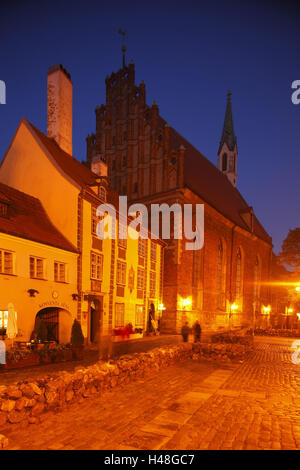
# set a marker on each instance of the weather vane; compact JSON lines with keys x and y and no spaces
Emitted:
{"x":123,"y":34}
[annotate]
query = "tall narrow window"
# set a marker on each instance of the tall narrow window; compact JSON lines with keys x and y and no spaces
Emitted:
{"x":140,"y":278}
{"x":239,"y":277}
{"x":119,"y":319}
{"x":224,"y":162}
{"x":256,"y":285}
{"x":121,"y":273}
{"x":59,"y":272}
{"x":152,"y":284}
{"x":139,"y":315}
{"x":122,"y":239}
{"x":221,"y":276}
{"x":96,"y":266}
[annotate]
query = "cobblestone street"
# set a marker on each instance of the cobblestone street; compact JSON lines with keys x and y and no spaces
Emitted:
{"x":191,"y":405}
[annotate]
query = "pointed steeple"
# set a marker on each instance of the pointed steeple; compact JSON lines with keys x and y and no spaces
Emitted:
{"x":227,"y":153}
{"x":228,"y":135}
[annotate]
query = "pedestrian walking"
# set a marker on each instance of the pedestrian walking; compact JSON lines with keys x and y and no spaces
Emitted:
{"x":185,"y":332}
{"x":197,"y":332}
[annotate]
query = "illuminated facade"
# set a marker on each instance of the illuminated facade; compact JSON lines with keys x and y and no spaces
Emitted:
{"x":150,"y":162}
{"x":114,"y":282}
{"x":37,"y":268}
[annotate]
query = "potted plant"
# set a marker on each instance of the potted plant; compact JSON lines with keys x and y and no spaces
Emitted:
{"x":16,"y":358}
{"x":77,"y":340}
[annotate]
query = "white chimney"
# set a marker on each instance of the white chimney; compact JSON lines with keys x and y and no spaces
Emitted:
{"x":60,"y":107}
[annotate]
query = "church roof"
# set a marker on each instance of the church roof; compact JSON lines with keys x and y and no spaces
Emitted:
{"x":28,"y":219}
{"x":228,"y":135}
{"x":213,"y":187}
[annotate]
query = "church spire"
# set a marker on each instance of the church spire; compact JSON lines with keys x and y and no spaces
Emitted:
{"x":228,"y":130}
{"x":227,"y":153}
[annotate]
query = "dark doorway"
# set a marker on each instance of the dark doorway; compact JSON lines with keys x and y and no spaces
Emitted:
{"x":95,"y":320}
{"x":50,"y":316}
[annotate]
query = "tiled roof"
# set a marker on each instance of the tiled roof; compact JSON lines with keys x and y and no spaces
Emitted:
{"x":78,"y":172}
{"x":28,"y":219}
{"x":206,"y":180}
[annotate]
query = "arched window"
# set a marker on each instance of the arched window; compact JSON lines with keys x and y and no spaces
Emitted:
{"x":239,"y":277}
{"x":224,"y":162}
{"x":256,"y":284}
{"x":197,"y":279}
{"x":221,"y":275}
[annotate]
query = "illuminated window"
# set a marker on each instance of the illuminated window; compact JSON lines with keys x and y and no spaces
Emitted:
{"x":142,"y":247}
{"x":152,"y":283}
{"x":6,"y":262}
{"x":96,"y":266}
{"x":95,"y":220}
{"x":123,"y":232}
{"x":140,"y":278}
{"x":139,"y":315}
{"x":256,"y":286}
{"x":59,"y":272}
{"x":221,"y":276}
{"x":119,"y":319}
{"x":121,"y":273}
{"x":239,"y":277}
{"x":36,"y":266}
{"x":3,"y":319}
{"x":153,"y":252}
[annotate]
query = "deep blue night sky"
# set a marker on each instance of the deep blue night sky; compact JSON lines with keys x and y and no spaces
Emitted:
{"x":189,"y":53}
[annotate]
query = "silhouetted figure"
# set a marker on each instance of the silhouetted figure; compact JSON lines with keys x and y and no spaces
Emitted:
{"x":185,"y":332}
{"x":197,"y":332}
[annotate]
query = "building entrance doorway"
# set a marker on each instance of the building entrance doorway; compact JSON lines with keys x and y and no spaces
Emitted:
{"x":95,"y":319}
{"x":58,"y":322}
{"x":51,"y":317}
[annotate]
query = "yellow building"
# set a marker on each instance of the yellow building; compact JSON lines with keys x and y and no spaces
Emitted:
{"x":117,"y":281}
{"x":37,"y":268}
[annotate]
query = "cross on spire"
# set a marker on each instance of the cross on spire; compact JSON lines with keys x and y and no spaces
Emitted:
{"x":123,"y":34}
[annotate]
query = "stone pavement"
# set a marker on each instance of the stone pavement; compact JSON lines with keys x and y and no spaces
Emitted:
{"x":191,"y":405}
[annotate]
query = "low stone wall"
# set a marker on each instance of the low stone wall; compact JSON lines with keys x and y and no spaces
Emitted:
{"x":27,"y":402}
{"x":225,"y":352}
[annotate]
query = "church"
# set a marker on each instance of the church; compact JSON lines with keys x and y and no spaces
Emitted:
{"x":225,"y":283}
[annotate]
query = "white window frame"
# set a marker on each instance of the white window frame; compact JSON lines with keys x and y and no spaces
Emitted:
{"x":96,"y":271}
{"x":3,"y":263}
{"x":139,"y":315}
{"x":140,"y":275}
{"x":60,"y":278}
{"x":36,"y":259}
{"x":119,"y":315}
{"x":121,"y":273}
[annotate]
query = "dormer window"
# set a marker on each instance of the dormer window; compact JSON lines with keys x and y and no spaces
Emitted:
{"x":3,"y":209}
